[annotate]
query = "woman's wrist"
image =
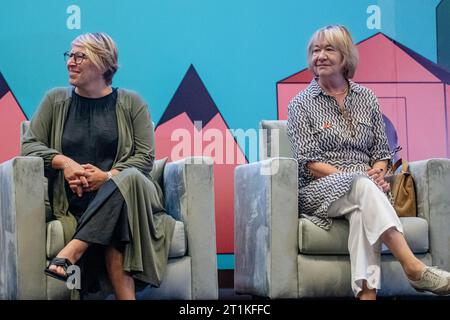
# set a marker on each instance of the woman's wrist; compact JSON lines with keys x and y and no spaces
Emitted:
{"x":66,"y":163}
{"x":382,"y":164}
{"x":60,"y":162}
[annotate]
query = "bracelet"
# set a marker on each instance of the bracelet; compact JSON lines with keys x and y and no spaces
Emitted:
{"x":109,"y":175}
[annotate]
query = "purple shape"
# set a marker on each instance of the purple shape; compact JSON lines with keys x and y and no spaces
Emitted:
{"x":193,"y":98}
{"x":391,"y":134}
{"x":4,"y":88}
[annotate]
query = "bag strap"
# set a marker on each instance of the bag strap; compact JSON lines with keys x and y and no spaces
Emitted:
{"x":405,"y":166}
{"x":397,"y":164}
{"x":401,"y":162}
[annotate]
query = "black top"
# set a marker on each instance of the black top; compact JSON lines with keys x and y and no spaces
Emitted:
{"x":90,"y":136}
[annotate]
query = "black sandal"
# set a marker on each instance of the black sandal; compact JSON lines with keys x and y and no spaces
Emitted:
{"x":59,"y":262}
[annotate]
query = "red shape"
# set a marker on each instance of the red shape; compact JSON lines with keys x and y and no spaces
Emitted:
{"x":225,"y":161}
{"x":11,"y":116}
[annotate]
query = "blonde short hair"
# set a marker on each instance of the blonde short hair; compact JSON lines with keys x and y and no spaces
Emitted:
{"x":102,"y":51}
{"x":338,"y":37}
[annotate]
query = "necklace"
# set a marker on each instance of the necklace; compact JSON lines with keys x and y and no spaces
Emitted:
{"x":337,"y":93}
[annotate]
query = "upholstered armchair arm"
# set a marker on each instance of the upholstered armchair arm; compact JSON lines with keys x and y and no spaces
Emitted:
{"x":432,"y":180}
{"x":189,"y":197}
{"x":22,"y":229}
{"x":266,"y":228}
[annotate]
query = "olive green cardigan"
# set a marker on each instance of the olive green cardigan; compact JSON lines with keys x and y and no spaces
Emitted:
{"x":146,"y":255}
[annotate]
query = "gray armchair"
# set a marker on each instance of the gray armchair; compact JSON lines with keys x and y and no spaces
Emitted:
{"x":279,"y":255}
{"x":29,"y":237}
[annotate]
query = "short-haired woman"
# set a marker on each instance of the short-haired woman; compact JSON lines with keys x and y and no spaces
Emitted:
{"x":97,"y":144}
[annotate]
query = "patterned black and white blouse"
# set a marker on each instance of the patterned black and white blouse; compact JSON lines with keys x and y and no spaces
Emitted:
{"x":318,"y":131}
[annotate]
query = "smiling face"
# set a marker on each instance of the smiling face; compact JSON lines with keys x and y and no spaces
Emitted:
{"x":331,"y":51}
{"x":326,"y":60}
{"x":84,"y":74}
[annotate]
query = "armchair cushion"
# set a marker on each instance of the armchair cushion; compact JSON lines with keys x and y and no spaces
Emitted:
{"x":48,"y":209}
{"x":178,"y":244}
{"x":314,"y":240}
{"x":158,"y":170}
{"x":416,"y":234}
{"x":55,"y":238}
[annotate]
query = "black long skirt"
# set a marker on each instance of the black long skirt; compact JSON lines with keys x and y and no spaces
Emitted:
{"x":104,"y":223}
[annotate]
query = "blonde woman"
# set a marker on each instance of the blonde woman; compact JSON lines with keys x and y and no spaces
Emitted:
{"x":337,"y":135}
{"x":98,"y":149}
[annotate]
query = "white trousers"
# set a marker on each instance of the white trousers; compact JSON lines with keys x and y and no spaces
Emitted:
{"x":369,"y":213}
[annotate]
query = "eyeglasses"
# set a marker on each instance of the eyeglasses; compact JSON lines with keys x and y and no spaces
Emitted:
{"x":78,"y":57}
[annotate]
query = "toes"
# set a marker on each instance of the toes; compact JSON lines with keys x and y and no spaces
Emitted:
{"x":57,"y":269}
{"x":61,"y":271}
{"x":52,"y":267}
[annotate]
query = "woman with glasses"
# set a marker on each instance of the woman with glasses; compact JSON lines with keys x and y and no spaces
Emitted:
{"x":337,"y":135}
{"x":97,"y":144}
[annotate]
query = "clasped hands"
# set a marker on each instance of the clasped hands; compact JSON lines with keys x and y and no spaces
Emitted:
{"x":84,"y":178}
{"x":377,"y":176}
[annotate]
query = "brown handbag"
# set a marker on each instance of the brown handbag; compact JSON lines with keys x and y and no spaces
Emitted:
{"x":403,"y":191}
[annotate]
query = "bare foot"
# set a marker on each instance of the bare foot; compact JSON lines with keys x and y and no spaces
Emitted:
{"x":71,"y":252}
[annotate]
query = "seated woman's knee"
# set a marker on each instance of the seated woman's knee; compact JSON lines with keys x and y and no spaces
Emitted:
{"x":362,"y":183}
